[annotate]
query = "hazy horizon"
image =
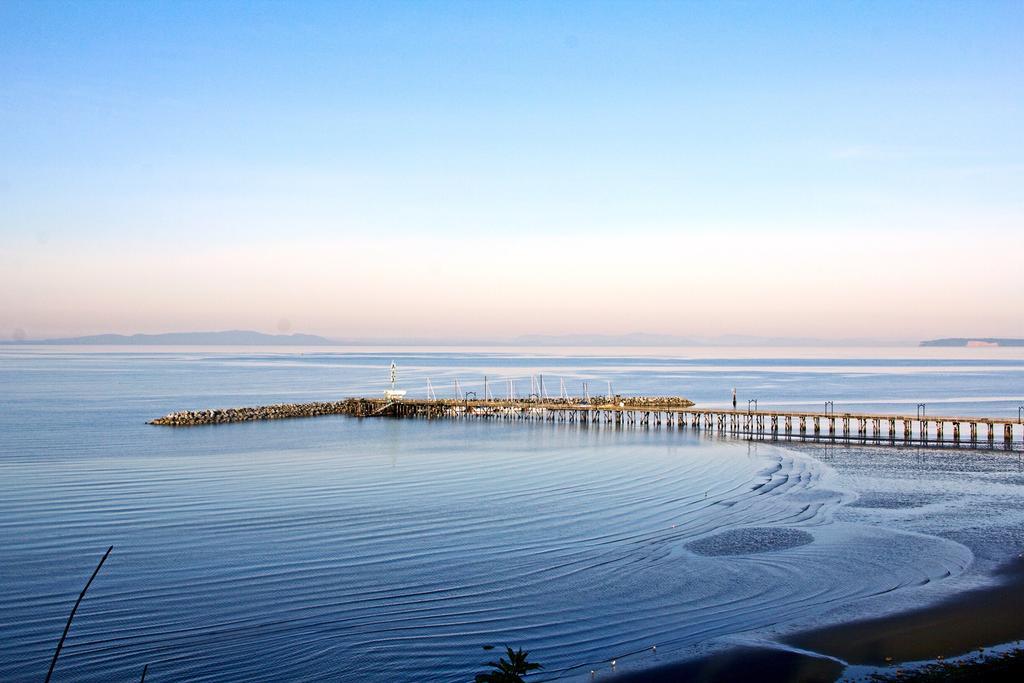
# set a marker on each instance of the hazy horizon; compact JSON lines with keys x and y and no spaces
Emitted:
{"x":466,"y":170}
{"x":595,"y":339}
{"x":578,"y":342}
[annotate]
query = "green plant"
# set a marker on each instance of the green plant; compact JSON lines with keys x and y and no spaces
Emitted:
{"x":509,"y":670}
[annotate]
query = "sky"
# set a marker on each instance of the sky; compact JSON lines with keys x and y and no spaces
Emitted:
{"x":485,"y":169}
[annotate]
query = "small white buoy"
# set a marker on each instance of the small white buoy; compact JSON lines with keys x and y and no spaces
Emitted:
{"x":613,"y":663}
{"x":654,"y":648}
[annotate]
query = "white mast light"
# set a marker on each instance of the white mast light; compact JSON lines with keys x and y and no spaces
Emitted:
{"x":394,"y":394}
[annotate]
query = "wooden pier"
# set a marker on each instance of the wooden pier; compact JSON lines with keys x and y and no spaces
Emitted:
{"x":770,"y":422}
{"x":668,"y":412}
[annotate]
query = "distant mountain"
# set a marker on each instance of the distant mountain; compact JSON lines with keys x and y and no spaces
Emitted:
{"x":251,"y":338}
{"x":973,"y":341}
{"x":645,"y":339}
{"x":634,"y":339}
{"x":228,"y":338}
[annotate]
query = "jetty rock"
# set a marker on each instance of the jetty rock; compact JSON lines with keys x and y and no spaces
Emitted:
{"x":351,"y":406}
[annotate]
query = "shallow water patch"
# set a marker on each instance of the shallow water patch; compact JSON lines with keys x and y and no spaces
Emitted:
{"x":750,"y":540}
{"x":895,"y":500}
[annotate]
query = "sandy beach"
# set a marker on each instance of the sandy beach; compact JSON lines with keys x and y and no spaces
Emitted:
{"x":964,"y":623}
{"x":743,"y":664}
{"x":968,"y":621}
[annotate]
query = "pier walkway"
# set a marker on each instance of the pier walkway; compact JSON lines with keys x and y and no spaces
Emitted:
{"x":670,"y":412}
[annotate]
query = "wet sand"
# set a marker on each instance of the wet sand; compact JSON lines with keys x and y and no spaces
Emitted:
{"x":973,"y":619}
{"x":978,"y":618}
{"x":742,"y":664}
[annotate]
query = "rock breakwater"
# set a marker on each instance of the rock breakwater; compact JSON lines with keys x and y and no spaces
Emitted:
{"x":532,"y":408}
{"x":654,"y":402}
{"x":358,"y":407}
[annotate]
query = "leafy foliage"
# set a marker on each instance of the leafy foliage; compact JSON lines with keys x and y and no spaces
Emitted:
{"x":509,"y":670}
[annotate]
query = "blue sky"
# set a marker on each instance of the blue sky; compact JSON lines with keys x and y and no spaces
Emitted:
{"x":223,"y":147}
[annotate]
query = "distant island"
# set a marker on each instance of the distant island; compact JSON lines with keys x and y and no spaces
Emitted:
{"x":226,"y":338}
{"x":973,"y":341}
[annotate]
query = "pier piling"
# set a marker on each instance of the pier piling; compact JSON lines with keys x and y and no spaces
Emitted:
{"x":650,"y":412}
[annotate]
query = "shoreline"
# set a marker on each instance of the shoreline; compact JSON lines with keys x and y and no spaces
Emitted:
{"x":980,"y":617}
{"x":960,"y":624}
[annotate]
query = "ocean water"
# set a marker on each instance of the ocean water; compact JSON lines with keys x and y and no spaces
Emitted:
{"x":394,"y":550}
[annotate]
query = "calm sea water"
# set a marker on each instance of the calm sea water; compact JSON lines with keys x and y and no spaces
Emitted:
{"x":380,"y":550}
